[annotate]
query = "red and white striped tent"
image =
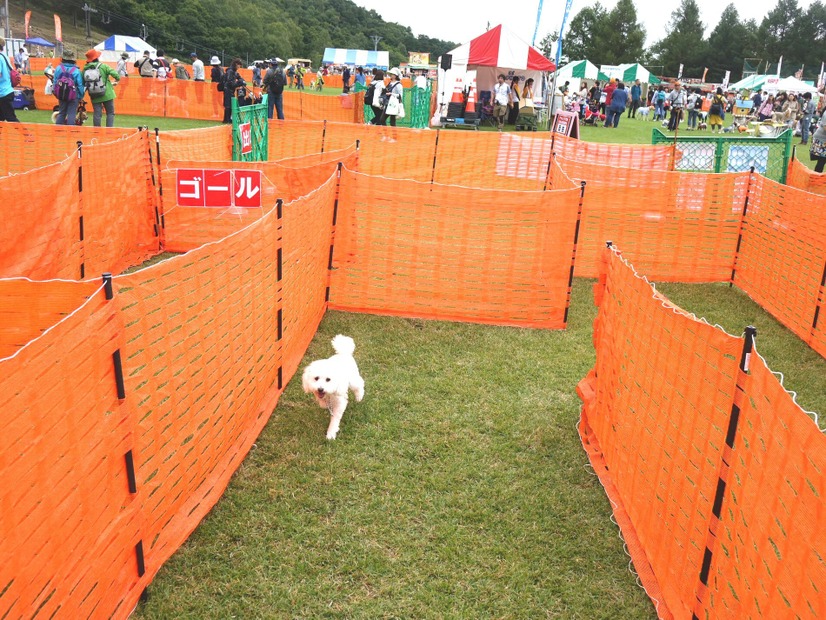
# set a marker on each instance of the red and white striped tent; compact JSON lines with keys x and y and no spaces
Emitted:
{"x":497,"y":51}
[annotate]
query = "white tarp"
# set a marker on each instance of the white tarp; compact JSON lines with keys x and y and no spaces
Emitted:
{"x":112,"y":48}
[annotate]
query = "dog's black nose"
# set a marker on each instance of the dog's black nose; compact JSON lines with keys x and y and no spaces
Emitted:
{"x":321,"y":391}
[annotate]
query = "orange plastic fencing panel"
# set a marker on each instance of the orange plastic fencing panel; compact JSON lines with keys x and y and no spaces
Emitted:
{"x":41,"y":226}
{"x":492,"y":160}
{"x":451,"y":253}
{"x":69,"y":525}
{"x":301,"y":105}
{"x":768,"y":560}
{"x":32,"y":145}
{"x":119,"y":205}
{"x":29,"y":308}
{"x":801,"y":177}
{"x":674,"y":226}
{"x":205,"y":144}
{"x":387,"y":151}
{"x":308,"y":225}
{"x":782,"y":258}
{"x":647,"y":157}
{"x":201,"y":360}
{"x":655,"y":414}
{"x":188,"y":227}
{"x":292,"y":138}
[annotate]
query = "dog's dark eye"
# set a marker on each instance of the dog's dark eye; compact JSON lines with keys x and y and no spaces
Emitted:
{"x":328,"y":379}
{"x":316,"y":379}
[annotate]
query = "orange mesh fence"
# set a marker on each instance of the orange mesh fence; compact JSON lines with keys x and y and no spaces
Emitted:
{"x":300,"y":105}
{"x":647,"y":157}
{"x":206,"y":144}
{"x":445,"y":252}
{"x":68,"y":525}
{"x":294,"y":138}
{"x":801,"y":177}
{"x":119,"y":205}
{"x":28,"y":308}
{"x":41,"y":227}
{"x":666,"y":413}
{"x":187,"y":227}
{"x":768,"y":560}
{"x":32,"y":145}
{"x":781,"y":261}
{"x":201,"y":362}
{"x":307,"y":238}
{"x":674,"y":226}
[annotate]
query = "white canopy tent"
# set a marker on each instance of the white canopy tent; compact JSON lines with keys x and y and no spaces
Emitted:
{"x":496,"y":51}
{"x":791,"y":85}
{"x":112,"y":48}
{"x":578,"y":69}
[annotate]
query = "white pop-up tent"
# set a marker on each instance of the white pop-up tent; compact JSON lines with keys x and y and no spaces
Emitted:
{"x":112,"y":48}
{"x":497,"y":51}
{"x":577,"y":69}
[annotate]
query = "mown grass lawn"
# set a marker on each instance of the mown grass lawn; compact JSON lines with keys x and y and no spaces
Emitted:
{"x":457,"y":489}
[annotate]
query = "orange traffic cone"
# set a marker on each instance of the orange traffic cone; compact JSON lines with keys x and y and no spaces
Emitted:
{"x":457,"y":102}
{"x":470,"y":109}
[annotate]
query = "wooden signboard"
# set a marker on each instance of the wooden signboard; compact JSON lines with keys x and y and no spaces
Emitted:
{"x":566,"y":123}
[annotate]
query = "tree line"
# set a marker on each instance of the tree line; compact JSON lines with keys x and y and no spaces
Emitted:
{"x":615,"y":37}
{"x":256,"y":29}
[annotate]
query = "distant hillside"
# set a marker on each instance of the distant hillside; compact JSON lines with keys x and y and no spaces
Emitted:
{"x":249,"y":29}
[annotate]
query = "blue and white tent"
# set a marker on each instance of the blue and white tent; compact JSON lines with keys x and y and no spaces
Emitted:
{"x":356,"y":58}
{"x":114,"y":46}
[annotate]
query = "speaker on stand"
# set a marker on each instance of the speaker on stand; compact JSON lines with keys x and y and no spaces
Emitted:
{"x":446,"y":64}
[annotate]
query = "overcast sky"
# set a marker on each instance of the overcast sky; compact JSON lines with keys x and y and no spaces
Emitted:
{"x":462,"y":21}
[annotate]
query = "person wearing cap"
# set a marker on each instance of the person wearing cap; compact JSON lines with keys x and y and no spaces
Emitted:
{"x":197,"y":68}
{"x":145,"y":66}
{"x":676,"y":99}
{"x":180,"y":70}
{"x":105,"y":100}
{"x":274,"y":82}
{"x":394,"y":91}
{"x":67,"y":109}
{"x":6,"y":89}
{"x":121,"y":68}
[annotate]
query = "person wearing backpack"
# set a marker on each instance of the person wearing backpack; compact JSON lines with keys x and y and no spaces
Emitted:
{"x":68,"y":88}
{"x":274,"y":82}
{"x":6,"y":88}
{"x":97,"y":83}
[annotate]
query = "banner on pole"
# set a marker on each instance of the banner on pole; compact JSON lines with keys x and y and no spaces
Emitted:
{"x":58,"y":29}
{"x":26,"y":20}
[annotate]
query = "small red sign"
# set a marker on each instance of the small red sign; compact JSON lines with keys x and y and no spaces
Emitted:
{"x":190,"y":188}
{"x":245,"y":129}
{"x":247,"y":188}
{"x":217,"y":188}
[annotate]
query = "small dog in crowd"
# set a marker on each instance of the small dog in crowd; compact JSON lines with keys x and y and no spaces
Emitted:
{"x":330,"y":379}
{"x":702,"y":126}
{"x":643,"y":112}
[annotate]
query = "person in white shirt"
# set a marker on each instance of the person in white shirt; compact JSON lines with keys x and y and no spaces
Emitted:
{"x":122,"y":69}
{"x":421,"y":81}
{"x":197,"y":68}
{"x":501,"y":99}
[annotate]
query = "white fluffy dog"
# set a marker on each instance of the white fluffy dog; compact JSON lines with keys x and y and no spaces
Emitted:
{"x":329,"y":381}
{"x":643,"y":112}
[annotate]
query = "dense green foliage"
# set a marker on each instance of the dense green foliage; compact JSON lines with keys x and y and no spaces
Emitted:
{"x":613,"y":37}
{"x":253,"y":28}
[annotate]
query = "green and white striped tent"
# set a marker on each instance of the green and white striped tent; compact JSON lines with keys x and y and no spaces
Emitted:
{"x":579,"y":69}
{"x":628,"y":72}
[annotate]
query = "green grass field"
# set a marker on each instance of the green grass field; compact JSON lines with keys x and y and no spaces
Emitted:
{"x":457,"y":489}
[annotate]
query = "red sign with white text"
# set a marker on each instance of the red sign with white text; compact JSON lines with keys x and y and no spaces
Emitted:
{"x":218,"y":188}
{"x":245,"y":129}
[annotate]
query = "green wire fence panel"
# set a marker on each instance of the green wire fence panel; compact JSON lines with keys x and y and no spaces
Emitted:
{"x":416,"y":107}
{"x":731,"y":153}
{"x":250,"y":131}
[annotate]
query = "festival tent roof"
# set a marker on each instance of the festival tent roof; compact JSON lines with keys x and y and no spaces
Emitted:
{"x":38,"y":41}
{"x":122,"y":43}
{"x":792,"y":85}
{"x":628,"y":72}
{"x":750,"y":82}
{"x":499,"y":47}
{"x":580,"y":69}
{"x":359,"y":58}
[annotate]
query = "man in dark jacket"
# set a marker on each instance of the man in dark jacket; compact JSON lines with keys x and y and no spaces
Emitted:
{"x":274,"y":82}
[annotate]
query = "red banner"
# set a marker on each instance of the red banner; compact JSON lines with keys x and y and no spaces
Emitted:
{"x":26,"y":20}
{"x":58,"y":29}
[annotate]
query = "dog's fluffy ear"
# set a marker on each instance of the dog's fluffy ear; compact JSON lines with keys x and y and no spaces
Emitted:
{"x":307,"y":379}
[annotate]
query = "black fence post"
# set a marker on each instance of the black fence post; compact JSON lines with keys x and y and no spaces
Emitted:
{"x":731,"y":433}
{"x":333,"y":232}
{"x":323,"y":134}
{"x":81,"y":233}
{"x":742,"y":224}
{"x":279,"y":208}
{"x":573,"y":253}
{"x":435,"y":154}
